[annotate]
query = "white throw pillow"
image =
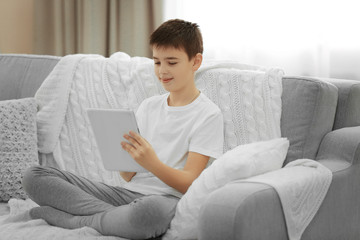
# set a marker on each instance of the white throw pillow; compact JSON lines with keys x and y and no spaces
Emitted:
{"x":242,"y":162}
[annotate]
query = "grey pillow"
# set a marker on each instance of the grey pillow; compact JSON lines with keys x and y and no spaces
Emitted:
{"x":18,"y":144}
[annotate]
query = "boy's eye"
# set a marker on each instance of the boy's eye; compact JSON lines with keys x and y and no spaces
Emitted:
{"x":172,"y":63}
{"x":157,"y":63}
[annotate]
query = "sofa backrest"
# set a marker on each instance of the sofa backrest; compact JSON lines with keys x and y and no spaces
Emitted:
{"x":308,"y":113}
{"x":22,"y":75}
{"x":348,"y":109}
{"x":308,"y":104}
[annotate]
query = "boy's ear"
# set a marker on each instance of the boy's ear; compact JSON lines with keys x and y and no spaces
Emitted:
{"x":197,"y":61}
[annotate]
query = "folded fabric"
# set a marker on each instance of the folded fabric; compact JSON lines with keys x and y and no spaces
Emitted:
{"x":52,"y":98}
{"x":79,"y":82}
{"x":302,"y":186}
{"x":241,"y":162}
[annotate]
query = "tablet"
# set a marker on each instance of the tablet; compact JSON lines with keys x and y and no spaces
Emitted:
{"x":109,"y":127}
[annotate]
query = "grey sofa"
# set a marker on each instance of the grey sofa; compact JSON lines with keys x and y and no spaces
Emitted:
{"x":320,"y":117}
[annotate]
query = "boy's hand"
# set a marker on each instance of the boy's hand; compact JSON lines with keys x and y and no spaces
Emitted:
{"x":144,"y":154}
{"x":140,"y":150}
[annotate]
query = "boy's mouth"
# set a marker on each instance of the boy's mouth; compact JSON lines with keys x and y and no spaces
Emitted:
{"x":166,"y":80}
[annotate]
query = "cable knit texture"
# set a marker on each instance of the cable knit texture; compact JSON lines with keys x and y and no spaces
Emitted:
{"x":79,"y":82}
{"x":18,"y":149}
{"x":250,"y":101}
{"x":302,"y":186}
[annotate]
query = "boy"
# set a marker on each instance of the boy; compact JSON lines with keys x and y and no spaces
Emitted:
{"x":180,"y":132}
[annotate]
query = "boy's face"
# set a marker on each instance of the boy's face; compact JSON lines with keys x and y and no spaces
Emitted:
{"x":174,"y":69}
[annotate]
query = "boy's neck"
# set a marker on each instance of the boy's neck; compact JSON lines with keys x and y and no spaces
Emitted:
{"x":183,"y":98}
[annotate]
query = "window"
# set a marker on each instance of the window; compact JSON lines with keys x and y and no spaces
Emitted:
{"x":308,"y":37}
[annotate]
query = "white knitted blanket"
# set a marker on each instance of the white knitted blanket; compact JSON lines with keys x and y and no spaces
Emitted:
{"x":79,"y":82}
{"x":302,"y":186}
{"x":249,"y":97}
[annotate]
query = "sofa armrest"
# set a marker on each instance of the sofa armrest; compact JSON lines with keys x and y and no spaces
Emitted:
{"x":242,"y":210}
{"x":246,"y":211}
{"x":340,"y":148}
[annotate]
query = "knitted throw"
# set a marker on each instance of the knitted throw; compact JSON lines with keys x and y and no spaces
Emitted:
{"x":18,"y":148}
{"x":79,"y":82}
{"x":250,"y":100}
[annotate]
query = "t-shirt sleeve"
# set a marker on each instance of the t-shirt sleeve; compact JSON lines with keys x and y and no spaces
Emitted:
{"x":208,"y":138}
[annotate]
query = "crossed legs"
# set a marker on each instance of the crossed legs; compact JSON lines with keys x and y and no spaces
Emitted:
{"x":70,"y":201}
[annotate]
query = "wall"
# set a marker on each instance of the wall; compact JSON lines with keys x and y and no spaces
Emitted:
{"x":16,"y":26}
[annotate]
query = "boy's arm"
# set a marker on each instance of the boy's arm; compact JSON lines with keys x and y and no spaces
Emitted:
{"x":182,"y":179}
{"x":144,"y":154}
{"x":127,"y":176}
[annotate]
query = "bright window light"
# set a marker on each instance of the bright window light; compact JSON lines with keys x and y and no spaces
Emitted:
{"x":304,"y":37}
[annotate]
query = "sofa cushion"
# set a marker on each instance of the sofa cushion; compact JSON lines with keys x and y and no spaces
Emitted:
{"x":22,"y":75}
{"x":308,"y":112}
{"x":348,"y":110}
{"x":18,"y":144}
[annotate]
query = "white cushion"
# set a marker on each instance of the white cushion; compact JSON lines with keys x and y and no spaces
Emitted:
{"x":242,"y":162}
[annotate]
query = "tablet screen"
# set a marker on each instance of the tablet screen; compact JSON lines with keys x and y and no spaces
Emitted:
{"x":109,"y":127}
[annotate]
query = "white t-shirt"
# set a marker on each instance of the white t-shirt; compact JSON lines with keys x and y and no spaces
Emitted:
{"x":175,"y":131}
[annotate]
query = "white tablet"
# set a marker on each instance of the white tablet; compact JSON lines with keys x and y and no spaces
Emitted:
{"x":109,"y":127}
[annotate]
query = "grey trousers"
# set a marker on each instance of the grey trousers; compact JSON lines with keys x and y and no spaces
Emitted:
{"x":70,"y":201}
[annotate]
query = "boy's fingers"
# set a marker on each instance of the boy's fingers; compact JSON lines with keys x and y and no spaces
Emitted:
{"x":127,"y":147}
{"x":136,"y":136}
{"x":133,"y":141}
{"x":123,"y":145}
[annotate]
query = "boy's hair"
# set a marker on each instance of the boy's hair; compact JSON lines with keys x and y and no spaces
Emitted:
{"x":179,"y":34}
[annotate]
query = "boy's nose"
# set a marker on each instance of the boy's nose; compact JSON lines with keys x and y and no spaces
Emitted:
{"x":162,"y":69}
